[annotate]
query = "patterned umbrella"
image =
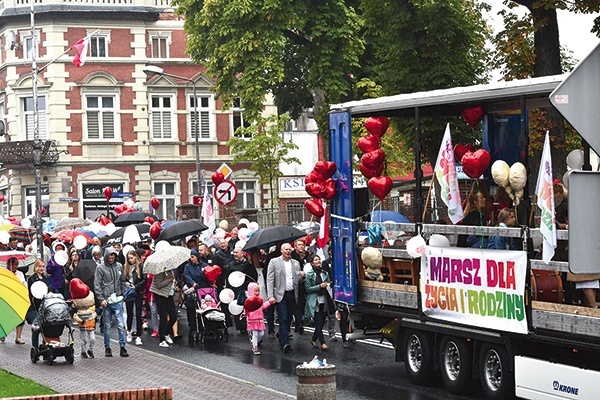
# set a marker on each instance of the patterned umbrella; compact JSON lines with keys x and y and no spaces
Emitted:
{"x":25,"y":235}
{"x":70,"y":223}
{"x":166,"y":259}
{"x":130,"y":234}
{"x":14,"y":302}
{"x":68,"y":235}
{"x":25,"y":259}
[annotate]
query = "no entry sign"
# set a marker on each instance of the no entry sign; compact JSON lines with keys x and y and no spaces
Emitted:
{"x":226,"y":192}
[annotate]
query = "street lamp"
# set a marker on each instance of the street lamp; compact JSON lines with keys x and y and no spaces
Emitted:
{"x":152,"y":70}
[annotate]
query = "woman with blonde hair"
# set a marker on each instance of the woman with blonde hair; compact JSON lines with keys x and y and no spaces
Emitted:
{"x":135,"y":282}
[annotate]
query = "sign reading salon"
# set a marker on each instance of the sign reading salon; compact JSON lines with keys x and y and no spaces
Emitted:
{"x":93,"y":200}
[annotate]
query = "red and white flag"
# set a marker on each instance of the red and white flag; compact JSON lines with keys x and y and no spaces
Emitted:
{"x":323,"y":237}
{"x":81,"y":46}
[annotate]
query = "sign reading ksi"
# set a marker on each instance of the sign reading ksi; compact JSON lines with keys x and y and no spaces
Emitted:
{"x":226,"y":192}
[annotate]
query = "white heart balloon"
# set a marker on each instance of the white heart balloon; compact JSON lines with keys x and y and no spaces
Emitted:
{"x":80,"y":242}
{"x":390,"y":231}
{"x":236,"y":278}
{"x":61,"y":257}
{"x":163,"y":244}
{"x":437,"y":240}
{"x":226,"y":296}
{"x":127,"y":249}
{"x":39,"y":289}
{"x":415,"y":247}
{"x":234,"y":309}
{"x":253,"y":226}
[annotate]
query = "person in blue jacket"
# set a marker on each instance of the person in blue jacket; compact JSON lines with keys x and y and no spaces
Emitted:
{"x":195,"y":279}
{"x":507,"y":219}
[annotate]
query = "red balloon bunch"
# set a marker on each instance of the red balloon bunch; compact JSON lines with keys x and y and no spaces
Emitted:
{"x":123,"y":209}
{"x":319,"y":184}
{"x":371,"y":163}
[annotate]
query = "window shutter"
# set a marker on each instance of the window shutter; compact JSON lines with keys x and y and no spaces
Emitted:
{"x":92,"y":125}
{"x":108,"y":125}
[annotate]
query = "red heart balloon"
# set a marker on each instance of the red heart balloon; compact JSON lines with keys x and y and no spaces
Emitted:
{"x":78,"y":289}
{"x":325,"y":169}
{"x":108,"y":192}
{"x":149,"y":220}
{"x":315,"y":207}
{"x":155,"y":230}
{"x":376,"y":126}
{"x":104,"y":220}
{"x":217,"y":178}
{"x":472,"y":116}
{"x":43,"y":210}
{"x":212,"y":273}
{"x":373,"y":159}
{"x":380,"y":186}
{"x":369,"y":143}
{"x":370,"y":172}
{"x":312,"y":176}
{"x":252,"y":304}
{"x":460,"y":150}
{"x":330,"y":189}
{"x":315,"y":189}
{"x":155,"y":203}
{"x":121,"y":208}
{"x":474,"y":164}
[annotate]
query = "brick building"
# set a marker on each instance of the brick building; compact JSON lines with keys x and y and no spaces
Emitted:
{"x":107,"y":123}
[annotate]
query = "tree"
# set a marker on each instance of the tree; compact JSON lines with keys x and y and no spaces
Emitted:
{"x":289,"y":48}
{"x":265,"y":149}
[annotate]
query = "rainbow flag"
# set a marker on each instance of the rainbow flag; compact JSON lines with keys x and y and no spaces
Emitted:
{"x":445,"y":173}
{"x":545,"y":201}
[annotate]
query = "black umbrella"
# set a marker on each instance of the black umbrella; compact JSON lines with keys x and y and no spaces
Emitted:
{"x":85,"y":270}
{"x":181,"y":229}
{"x":267,"y":237}
{"x":136,"y":217}
{"x":123,"y":235}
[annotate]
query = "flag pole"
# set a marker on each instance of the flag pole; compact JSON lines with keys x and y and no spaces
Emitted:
{"x":65,"y":52}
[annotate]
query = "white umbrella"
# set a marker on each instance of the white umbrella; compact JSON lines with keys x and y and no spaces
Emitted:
{"x":70,"y":223}
{"x":166,"y":259}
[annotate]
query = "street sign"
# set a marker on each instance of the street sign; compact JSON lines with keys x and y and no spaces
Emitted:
{"x":578,"y":96}
{"x":68,"y":199}
{"x":225,"y":170}
{"x":226,"y":192}
{"x":122,"y":194}
{"x":197,"y":200}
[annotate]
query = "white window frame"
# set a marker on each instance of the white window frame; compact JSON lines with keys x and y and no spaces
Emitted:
{"x":244,"y":194}
{"x":165,"y":210}
{"x":27,"y":114}
{"x":27,"y":44}
{"x":97,"y":37}
{"x":237,"y":111}
{"x":29,"y":202}
{"x":166,"y":36}
{"x":102,"y":110}
{"x":194,"y":184}
{"x":206,"y":108}
{"x":171,"y":111}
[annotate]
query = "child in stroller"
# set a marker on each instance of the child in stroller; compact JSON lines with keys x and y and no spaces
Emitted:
{"x":53,"y":317}
{"x":210,"y":319}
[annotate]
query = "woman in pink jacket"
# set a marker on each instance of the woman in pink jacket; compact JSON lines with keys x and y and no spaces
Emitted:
{"x":255,"y":319}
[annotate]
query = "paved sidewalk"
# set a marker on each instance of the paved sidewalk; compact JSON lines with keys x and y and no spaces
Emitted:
{"x":142,"y":369}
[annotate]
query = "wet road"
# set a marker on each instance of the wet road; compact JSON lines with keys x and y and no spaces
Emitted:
{"x":366,"y":370}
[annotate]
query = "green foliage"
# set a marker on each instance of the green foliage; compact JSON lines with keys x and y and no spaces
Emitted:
{"x":253,"y":47}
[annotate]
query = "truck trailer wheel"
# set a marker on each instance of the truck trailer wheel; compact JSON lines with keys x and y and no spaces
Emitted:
{"x":455,"y":364}
{"x":418,"y":357}
{"x":497,"y":381}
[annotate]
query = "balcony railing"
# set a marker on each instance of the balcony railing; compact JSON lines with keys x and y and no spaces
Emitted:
{"x":4,"y":4}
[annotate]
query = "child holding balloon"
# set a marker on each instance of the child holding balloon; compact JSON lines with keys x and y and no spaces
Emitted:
{"x":255,"y":320}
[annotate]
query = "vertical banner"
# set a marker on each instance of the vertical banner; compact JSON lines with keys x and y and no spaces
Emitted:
{"x":483,"y":288}
{"x":445,"y":173}
{"x":545,"y":201}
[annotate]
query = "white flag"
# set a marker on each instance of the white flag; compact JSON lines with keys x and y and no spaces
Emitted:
{"x":445,"y":172}
{"x":208,"y":217}
{"x":545,"y":201}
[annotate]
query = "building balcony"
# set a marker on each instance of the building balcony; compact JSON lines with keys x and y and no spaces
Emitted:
{"x":11,"y":8}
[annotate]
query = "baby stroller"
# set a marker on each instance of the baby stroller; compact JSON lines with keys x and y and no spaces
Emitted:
{"x":211,"y":320}
{"x":53,"y":317}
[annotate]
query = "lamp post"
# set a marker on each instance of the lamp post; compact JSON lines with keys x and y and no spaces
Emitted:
{"x":152,"y":70}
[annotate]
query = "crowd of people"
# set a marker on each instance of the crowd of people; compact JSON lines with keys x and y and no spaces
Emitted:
{"x":289,"y":283}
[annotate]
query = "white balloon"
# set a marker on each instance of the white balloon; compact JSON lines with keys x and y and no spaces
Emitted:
{"x":110,"y":229}
{"x":80,"y":242}
{"x":61,"y":257}
{"x":518,"y":176}
{"x":390,"y":231}
{"x":219,"y":233}
{"x":244,"y":221}
{"x":437,"y":240}
{"x":500,"y":172}
{"x":129,"y":203}
{"x":26,"y":223}
{"x":575,"y":159}
{"x":127,"y":249}
{"x":234,"y":309}
{"x":163,"y":244}
{"x":94,"y":227}
{"x":240,"y":244}
{"x":39,"y":289}
{"x":236,"y":278}
{"x":243,"y":233}
{"x":253,"y":226}
{"x":4,"y":237}
{"x":415,"y":247}
{"x":226,"y":296}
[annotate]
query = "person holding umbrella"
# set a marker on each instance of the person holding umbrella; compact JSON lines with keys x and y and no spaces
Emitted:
{"x":110,"y":289}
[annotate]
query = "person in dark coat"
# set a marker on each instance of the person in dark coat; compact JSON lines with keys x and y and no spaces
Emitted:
{"x":195,"y":279}
{"x":241,"y":264}
{"x":301,"y":255}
